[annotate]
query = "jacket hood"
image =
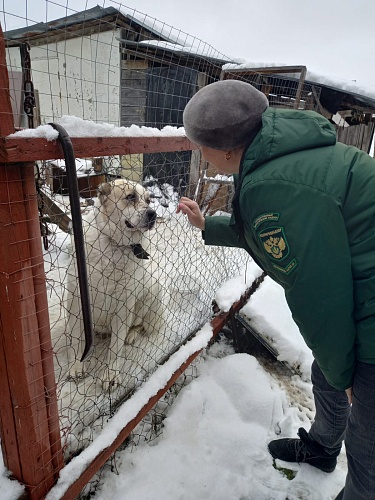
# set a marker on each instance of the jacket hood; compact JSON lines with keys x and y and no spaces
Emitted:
{"x":286,"y":131}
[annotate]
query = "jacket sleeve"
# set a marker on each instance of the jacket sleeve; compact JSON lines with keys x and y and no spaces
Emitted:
{"x":315,"y":270}
{"x":219,"y":232}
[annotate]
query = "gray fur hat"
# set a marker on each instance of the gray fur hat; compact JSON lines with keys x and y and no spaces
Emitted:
{"x":224,"y":115}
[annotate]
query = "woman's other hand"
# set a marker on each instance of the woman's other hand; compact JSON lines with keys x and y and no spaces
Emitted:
{"x":349,"y":393}
{"x":191,"y":209}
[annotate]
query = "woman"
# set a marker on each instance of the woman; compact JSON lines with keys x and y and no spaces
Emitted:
{"x":304,"y":209}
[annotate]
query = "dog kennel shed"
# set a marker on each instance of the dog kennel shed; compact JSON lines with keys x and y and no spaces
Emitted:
{"x":106,"y":65}
{"x":347,"y":106}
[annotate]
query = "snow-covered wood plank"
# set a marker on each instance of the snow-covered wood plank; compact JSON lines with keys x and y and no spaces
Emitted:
{"x":31,"y":149}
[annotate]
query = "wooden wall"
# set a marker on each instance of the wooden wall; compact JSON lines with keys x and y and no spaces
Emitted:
{"x":360,"y":135}
{"x":133,"y":110}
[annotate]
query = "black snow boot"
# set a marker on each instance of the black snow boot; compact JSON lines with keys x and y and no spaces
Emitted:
{"x":303,"y":451}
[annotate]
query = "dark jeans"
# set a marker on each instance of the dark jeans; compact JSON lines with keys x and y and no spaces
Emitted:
{"x":335,"y":420}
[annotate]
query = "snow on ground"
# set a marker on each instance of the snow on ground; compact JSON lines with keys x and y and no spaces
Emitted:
{"x":214,"y":441}
{"x":277,"y":326}
{"x":215,"y":434}
{"x":10,"y":490}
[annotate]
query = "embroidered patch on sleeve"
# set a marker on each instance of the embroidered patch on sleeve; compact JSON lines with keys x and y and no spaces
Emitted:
{"x":273,"y":216}
{"x":288,"y":268}
{"x":275,"y":243}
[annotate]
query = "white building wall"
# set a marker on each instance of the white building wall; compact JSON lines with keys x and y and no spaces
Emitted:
{"x":79,"y":76}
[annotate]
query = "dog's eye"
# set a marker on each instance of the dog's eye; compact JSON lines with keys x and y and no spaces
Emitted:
{"x":131,"y":197}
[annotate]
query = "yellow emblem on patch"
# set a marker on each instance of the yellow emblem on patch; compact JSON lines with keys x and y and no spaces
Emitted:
{"x":275,"y":243}
{"x":275,"y":246}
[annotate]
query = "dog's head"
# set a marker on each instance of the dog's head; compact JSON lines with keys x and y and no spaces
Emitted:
{"x":126,"y":204}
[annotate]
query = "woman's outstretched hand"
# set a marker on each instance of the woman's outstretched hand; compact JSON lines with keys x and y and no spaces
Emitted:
{"x":191,"y":209}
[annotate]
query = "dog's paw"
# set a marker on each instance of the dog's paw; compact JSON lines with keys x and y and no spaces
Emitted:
{"x":112,"y":380}
{"x":133,"y":334}
{"x":77,"y":370}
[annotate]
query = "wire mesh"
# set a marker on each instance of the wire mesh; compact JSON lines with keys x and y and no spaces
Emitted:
{"x":108,"y":63}
{"x":177,"y":285}
{"x":115,"y":66}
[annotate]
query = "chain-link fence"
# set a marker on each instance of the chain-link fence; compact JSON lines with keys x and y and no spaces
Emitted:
{"x":144,"y":305}
{"x":150,"y":278}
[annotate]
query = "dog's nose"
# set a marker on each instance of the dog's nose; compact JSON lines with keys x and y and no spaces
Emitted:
{"x":151,"y":215}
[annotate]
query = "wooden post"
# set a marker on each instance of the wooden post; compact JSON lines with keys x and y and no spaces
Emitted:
{"x":300,"y":86}
{"x":29,"y":426}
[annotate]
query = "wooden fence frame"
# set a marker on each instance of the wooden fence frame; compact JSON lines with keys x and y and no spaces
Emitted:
{"x":29,"y":420}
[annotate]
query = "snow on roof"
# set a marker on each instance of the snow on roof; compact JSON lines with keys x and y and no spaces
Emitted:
{"x":172,"y":39}
{"x":312,"y":77}
{"x":198,"y":48}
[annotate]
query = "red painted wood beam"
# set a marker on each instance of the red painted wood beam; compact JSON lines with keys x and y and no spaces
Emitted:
{"x":19,"y":149}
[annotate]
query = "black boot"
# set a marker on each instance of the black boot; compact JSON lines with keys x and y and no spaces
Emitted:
{"x":303,"y":451}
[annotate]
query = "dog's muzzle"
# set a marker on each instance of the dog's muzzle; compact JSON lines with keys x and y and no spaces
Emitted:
{"x":151,"y":217}
{"x":148,"y":221}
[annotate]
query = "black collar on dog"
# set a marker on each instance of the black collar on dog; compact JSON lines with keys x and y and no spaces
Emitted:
{"x":139,"y":251}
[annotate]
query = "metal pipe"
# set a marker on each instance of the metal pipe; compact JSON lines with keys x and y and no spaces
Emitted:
{"x":79,"y":242}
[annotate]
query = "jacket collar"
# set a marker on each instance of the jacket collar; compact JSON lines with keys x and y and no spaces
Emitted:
{"x":250,"y":151}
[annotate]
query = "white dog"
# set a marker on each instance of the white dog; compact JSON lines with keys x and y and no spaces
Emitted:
{"x":125,"y":296}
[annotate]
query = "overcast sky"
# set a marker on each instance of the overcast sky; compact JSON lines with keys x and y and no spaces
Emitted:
{"x":332,"y":37}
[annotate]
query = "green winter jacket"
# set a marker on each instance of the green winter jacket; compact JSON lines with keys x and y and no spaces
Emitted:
{"x":304,"y":209}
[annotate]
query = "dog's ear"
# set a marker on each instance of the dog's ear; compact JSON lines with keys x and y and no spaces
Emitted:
{"x":104,"y":190}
